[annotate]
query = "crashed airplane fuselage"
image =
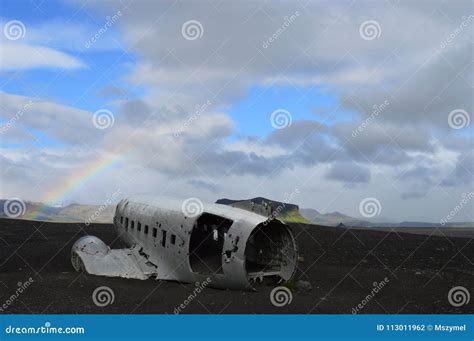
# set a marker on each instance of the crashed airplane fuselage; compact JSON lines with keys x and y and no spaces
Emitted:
{"x":232,"y":247}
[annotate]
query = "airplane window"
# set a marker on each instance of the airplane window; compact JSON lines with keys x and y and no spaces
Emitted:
{"x":163,"y":238}
{"x":126,"y":222}
{"x":146,"y":229}
{"x":121,"y":220}
{"x":139,"y":227}
{"x":155,"y":232}
{"x":133,"y":224}
{"x":173,"y":239}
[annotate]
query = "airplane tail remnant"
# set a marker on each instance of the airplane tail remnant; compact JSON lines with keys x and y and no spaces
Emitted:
{"x":234,"y":248}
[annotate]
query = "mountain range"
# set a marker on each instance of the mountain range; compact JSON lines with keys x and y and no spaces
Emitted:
{"x":292,"y":213}
{"x":70,"y":213}
{"x":285,"y":211}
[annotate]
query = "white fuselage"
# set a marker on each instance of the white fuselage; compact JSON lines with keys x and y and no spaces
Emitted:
{"x":215,"y":244}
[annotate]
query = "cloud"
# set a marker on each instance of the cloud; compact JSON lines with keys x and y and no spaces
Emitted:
{"x":405,"y":66}
{"x":112,"y":91}
{"x":71,"y":34}
{"x":26,"y":57}
{"x":207,"y":185}
{"x":463,"y":173}
{"x":383,"y":142}
{"x":52,"y":44}
{"x":176,"y":139}
{"x":66,"y":124}
{"x":412,"y":195}
{"x":349,"y":173}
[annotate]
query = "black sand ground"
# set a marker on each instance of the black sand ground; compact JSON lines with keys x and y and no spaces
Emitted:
{"x":341,"y":265}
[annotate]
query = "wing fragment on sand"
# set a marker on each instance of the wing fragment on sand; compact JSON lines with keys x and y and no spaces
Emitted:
{"x":91,"y":255}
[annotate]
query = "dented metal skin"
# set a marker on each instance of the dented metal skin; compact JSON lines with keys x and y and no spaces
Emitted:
{"x":162,"y":246}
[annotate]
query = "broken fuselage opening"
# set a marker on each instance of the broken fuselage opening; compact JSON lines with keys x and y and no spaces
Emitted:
{"x":206,"y":244}
{"x":270,"y":252}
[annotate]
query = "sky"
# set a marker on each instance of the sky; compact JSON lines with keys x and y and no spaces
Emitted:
{"x":331,"y":104}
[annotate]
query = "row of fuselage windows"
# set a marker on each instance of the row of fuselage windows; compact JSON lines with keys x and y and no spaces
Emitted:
{"x":131,"y":224}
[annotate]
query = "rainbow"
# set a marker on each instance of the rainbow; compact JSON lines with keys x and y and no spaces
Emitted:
{"x":77,"y":179}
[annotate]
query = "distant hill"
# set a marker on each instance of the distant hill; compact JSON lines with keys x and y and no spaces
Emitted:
{"x":332,"y":219}
{"x":70,"y":213}
{"x":337,"y":218}
{"x":420,"y":224}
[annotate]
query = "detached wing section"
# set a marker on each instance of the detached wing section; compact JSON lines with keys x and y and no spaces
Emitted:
{"x":91,"y":255}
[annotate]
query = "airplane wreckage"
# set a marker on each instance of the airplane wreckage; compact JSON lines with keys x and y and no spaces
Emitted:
{"x":227,"y":246}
